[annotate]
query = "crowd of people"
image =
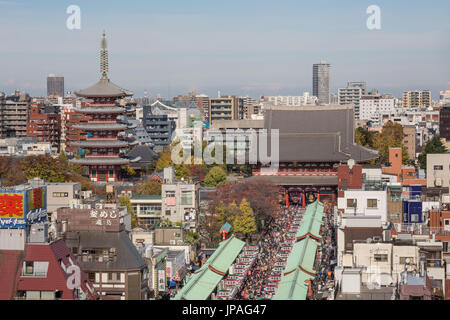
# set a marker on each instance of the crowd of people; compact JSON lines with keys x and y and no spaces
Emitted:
{"x":327,"y":260}
{"x":259,"y":283}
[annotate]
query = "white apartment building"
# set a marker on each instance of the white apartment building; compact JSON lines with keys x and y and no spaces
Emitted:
{"x":303,"y":100}
{"x":352,"y":95}
{"x":445,"y":96}
{"x":179,"y":199}
{"x":364,"y":203}
{"x":371,"y":107}
{"x":438,"y":170}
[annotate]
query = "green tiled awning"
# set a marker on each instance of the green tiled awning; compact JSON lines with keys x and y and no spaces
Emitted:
{"x":206,"y":279}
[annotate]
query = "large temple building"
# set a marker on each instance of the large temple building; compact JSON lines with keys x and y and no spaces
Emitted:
{"x":106,"y":143}
{"x":313,"y":142}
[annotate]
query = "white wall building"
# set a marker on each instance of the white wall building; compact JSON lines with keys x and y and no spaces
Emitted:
{"x":364,"y":203}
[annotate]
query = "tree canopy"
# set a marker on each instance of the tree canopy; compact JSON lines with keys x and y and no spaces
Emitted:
{"x":433,"y":146}
{"x":149,"y":188}
{"x":215,"y":176}
{"x":245,"y":223}
{"x":126,"y":202}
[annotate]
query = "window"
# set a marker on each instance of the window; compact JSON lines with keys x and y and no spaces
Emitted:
{"x":403,"y":260}
{"x":60,"y":194}
{"x":351,"y":203}
{"x":414,"y":218}
{"x":167,"y":212}
{"x":380,"y":257}
{"x":91,"y":276}
{"x":29,"y":267}
{"x":372,"y":203}
{"x":186,"y":198}
{"x":170,"y":194}
{"x":438,"y":167}
{"x":111,"y":173}
{"x":447,"y":222}
{"x":395,"y":216}
{"x":110,"y":276}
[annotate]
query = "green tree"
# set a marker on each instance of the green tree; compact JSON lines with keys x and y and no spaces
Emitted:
{"x":126,"y":202}
{"x":433,"y":146}
{"x":215,"y":176}
{"x":191,"y":237}
{"x":365,"y":137}
{"x":149,"y":188}
{"x":245,"y":223}
{"x":227,"y":214}
{"x":181,"y":171}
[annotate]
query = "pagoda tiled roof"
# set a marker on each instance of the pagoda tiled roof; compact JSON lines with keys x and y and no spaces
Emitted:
{"x":100,"y":126}
{"x":104,"y":89}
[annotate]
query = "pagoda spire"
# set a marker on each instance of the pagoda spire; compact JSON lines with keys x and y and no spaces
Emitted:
{"x":104,"y":58}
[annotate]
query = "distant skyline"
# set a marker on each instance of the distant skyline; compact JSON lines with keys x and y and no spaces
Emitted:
{"x":253,"y":47}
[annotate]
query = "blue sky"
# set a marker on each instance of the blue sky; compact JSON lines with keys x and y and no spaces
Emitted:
{"x":240,"y":47}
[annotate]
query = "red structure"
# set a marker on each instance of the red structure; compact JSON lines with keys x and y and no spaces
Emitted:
{"x":72,"y":118}
{"x":106,"y":143}
{"x":42,"y":270}
{"x":46,"y":127}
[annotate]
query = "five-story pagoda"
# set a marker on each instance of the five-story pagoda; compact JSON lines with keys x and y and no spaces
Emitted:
{"x":106,"y":142}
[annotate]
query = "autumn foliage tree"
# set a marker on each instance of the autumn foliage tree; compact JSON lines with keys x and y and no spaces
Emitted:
{"x":11,"y":172}
{"x":149,"y":188}
{"x":262,"y":197}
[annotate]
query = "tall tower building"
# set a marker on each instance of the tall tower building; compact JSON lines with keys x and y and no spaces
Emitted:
{"x":55,"y":85}
{"x":321,"y":82}
{"x":106,"y":141}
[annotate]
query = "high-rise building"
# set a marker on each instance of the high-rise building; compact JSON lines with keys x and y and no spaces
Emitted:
{"x":14,"y":111}
{"x":225,"y":108}
{"x":444,"y":122}
{"x":45,"y":126}
{"x":55,"y":85}
{"x":373,"y":105}
{"x":352,"y":95}
{"x":321,"y":82}
{"x":417,"y":99}
{"x":105,"y":130}
{"x":445,"y":96}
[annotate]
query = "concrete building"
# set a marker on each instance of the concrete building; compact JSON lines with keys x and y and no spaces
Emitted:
{"x":303,"y":100}
{"x":444,"y":122}
{"x":148,"y":209}
{"x":409,"y":141}
{"x":99,"y":242}
{"x":352,"y":95}
{"x":321,"y":82}
{"x":55,"y":85}
{"x":15,"y":111}
{"x":159,"y":126}
{"x":24,"y":147}
{"x":416,"y":99}
{"x":364,"y":203}
{"x":179,"y":199}
{"x":372,"y":106}
{"x":46,"y":127}
{"x":438,"y":170}
{"x":225,"y":108}
{"x":445,"y":96}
